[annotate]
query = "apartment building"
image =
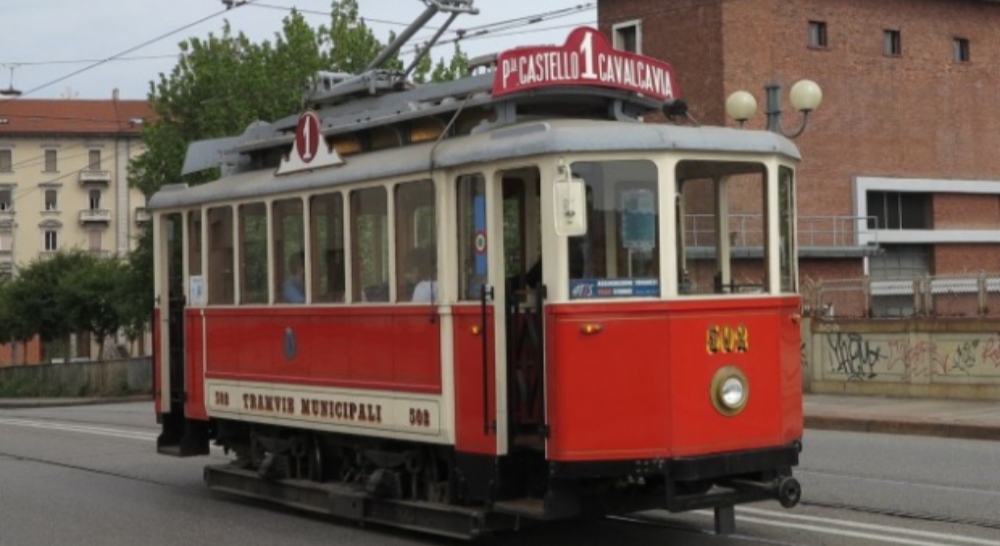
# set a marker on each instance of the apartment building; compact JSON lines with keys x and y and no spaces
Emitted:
{"x":63,"y":179}
{"x":900,"y":175}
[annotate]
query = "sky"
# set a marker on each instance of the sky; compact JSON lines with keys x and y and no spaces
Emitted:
{"x":46,"y":41}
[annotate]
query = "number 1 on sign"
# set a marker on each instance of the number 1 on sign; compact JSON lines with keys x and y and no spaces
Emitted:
{"x":307,"y":141}
{"x":587,"y":50}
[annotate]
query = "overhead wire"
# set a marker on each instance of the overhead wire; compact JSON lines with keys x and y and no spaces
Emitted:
{"x":131,"y":49}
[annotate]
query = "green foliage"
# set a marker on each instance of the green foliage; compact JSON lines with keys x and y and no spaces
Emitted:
{"x":220,"y":86}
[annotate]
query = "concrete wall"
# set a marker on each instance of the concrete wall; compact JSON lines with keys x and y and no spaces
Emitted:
{"x":111,"y":378}
{"x":920,"y":358}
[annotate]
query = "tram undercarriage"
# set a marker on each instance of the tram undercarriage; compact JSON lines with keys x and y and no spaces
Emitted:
{"x":432,"y":489}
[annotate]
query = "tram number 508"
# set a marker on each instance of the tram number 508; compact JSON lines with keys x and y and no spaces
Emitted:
{"x":420,"y":417}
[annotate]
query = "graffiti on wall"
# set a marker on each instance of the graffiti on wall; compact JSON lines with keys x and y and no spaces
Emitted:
{"x":904,"y":357}
{"x":854,"y":356}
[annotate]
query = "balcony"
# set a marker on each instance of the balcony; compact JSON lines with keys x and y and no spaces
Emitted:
{"x":95,"y":216}
{"x":90,"y":177}
{"x":142,"y":215}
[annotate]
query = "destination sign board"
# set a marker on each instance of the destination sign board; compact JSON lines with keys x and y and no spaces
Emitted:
{"x":585,"y":59}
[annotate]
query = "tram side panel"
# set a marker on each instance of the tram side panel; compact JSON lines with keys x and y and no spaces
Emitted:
{"x":640,"y":386}
{"x":388,"y":349}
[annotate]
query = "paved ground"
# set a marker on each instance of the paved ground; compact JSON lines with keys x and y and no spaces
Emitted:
{"x":927,"y":417}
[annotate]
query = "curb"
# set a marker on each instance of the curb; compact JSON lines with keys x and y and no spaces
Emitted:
{"x":903,"y":426}
{"x":27,"y":403}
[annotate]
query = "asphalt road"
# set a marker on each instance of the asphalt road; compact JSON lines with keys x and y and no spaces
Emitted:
{"x":89,"y":475}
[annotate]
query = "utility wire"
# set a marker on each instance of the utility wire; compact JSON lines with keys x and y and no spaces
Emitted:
{"x":130,"y":50}
{"x":82,"y":61}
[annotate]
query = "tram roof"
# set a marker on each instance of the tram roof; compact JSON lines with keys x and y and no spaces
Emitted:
{"x":522,"y":140}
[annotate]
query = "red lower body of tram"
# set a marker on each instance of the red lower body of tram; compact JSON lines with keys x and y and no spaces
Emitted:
{"x":625,"y":401}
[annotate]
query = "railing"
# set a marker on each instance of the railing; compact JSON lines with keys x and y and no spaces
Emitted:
{"x":95,"y":215}
{"x":813,"y":231}
{"x":969,"y":295}
{"x":88,"y":176}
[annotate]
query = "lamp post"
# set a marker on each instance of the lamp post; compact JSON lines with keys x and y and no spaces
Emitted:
{"x":805,"y":95}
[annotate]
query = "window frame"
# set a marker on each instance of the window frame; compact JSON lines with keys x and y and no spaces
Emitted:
{"x":817,"y":36}
{"x":51,"y":160}
{"x":6,"y":160}
{"x":618,"y":37}
{"x":892,"y":42}
{"x":51,"y":240}
{"x":961,"y":50}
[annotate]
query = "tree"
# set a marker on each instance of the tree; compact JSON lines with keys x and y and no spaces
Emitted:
{"x":91,"y":298}
{"x":36,"y":297}
{"x":219,"y":87}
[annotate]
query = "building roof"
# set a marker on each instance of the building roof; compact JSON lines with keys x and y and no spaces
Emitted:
{"x":72,"y":116}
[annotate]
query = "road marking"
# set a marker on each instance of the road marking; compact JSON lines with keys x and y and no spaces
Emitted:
{"x":937,"y":538}
{"x":869,"y":526}
{"x":83,"y":429}
{"x":900,"y":483}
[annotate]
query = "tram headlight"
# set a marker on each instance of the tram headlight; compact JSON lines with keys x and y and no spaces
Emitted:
{"x":730,"y":390}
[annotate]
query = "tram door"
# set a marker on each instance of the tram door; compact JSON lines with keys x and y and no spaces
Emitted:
{"x":498,"y":331}
{"x":171,"y":297}
{"x":524,"y":296}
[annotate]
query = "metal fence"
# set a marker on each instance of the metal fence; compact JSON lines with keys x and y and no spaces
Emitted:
{"x":748,"y":230}
{"x":923,"y":296}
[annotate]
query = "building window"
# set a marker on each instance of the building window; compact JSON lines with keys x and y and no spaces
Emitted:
{"x":50,"y":200}
{"x":628,"y":36}
{"x":50,"y":161}
{"x":961,"y":51}
{"x":6,"y":241}
{"x":892,"y":43}
{"x":94,"y":238}
{"x":898,"y":210}
{"x":817,"y":34}
{"x":6,"y":161}
{"x":95,"y":160}
{"x":95,"y":199}
{"x":51,"y":241}
{"x":6,"y":202}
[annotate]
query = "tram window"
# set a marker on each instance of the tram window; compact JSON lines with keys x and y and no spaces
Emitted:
{"x":253,"y":253}
{"x":473,"y":270}
{"x":194,"y":243}
{"x":288,"y":238}
{"x":369,"y":245}
{"x":416,"y":242}
{"x":722,"y":227}
{"x":786,"y":229}
{"x":326,"y":217}
{"x":220,"y":256}
{"x":619,"y":255}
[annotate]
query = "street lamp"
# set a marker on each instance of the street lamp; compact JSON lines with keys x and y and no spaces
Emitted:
{"x":806,"y":96}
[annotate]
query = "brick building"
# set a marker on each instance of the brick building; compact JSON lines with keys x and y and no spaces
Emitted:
{"x":901,"y":156}
{"x":63,"y":181}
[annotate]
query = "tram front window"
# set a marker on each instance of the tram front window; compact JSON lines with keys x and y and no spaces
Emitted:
{"x":619,"y":256}
{"x":722,"y":228}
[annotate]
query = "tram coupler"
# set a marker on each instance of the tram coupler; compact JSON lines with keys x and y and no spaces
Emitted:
{"x":786,"y":489}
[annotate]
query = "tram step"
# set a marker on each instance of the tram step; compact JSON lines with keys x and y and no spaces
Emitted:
{"x":526,"y":507}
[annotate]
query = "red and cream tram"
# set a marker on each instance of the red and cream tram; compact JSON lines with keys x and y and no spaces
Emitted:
{"x":465,"y":305}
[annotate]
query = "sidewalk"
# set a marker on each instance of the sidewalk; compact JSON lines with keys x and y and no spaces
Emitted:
{"x":971,"y":419}
{"x":978,"y":420}
{"x":22,"y":403}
